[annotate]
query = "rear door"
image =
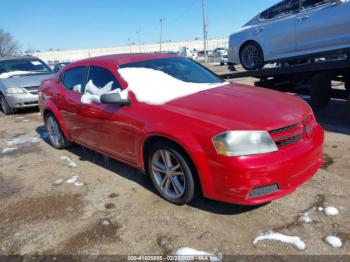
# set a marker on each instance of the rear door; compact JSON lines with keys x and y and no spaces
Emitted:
{"x":72,"y":80}
{"x":276,"y":30}
{"x":322,"y":24}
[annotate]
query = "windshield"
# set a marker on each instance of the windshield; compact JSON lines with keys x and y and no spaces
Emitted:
{"x":181,"y":68}
{"x":23,"y":66}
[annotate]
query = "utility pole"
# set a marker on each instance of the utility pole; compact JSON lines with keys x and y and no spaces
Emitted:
{"x":161,"y":34}
{"x":139,"y":39}
{"x":205,"y":31}
{"x":129,"y":45}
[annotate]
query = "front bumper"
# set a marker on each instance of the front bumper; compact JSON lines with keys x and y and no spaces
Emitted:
{"x":234,"y":179}
{"x":22,"y":100}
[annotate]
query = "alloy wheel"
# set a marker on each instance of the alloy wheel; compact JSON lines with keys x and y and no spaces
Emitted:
{"x":54,"y":131}
{"x":250,"y":56}
{"x":168,"y":174}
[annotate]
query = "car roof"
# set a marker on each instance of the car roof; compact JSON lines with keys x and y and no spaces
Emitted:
{"x":121,"y":59}
{"x":16,"y":57}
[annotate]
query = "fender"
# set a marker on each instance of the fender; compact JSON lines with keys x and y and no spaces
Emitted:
{"x":50,"y":106}
{"x":193,"y":149}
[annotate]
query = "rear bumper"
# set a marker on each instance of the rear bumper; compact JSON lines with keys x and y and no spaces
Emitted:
{"x":22,"y":100}
{"x":234,"y":179}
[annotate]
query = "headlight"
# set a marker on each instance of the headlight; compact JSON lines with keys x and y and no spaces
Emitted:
{"x":14,"y":90}
{"x":244,"y":143}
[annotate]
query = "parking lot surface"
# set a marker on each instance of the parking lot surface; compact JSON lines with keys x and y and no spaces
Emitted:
{"x":78,"y":202}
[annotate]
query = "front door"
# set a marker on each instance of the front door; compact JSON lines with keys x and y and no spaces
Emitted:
{"x":277,"y":28}
{"x":107,"y":127}
{"x":323,"y":24}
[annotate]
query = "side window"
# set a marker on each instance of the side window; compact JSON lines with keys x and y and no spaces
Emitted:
{"x":74,"y":79}
{"x":284,"y":8}
{"x":308,"y":4}
{"x":101,"y":80}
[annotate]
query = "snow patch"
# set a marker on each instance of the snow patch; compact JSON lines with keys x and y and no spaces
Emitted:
{"x":157,"y":88}
{"x":23,"y":140}
{"x":77,"y":88}
{"x":88,"y":99}
{"x":93,"y":93}
{"x":295,"y":241}
{"x":92,"y":89}
{"x":15,"y":73}
{"x":196,"y":254}
{"x":72,"y":180}
{"x":331,"y":211}
{"x":59,"y":181}
{"x":304,"y":218}
{"x":70,"y":162}
{"x":7,"y":150}
{"x":334,"y":241}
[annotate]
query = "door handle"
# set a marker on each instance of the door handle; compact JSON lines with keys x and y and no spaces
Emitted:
{"x":303,"y":18}
{"x":259,"y":30}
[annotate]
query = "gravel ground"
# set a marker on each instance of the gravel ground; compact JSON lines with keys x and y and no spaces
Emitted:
{"x":113,"y":208}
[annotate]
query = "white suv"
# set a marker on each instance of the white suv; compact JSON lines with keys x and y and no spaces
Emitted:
{"x":289,"y":29}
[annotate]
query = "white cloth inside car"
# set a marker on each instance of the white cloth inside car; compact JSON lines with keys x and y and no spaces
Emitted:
{"x":93,"y":93}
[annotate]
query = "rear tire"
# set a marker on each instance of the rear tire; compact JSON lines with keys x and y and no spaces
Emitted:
{"x":56,"y":136}
{"x":172,"y":173}
{"x":6,"y":109}
{"x":251,"y":56}
{"x":320,"y":91}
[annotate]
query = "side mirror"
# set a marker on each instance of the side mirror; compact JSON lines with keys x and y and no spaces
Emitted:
{"x":114,"y":98}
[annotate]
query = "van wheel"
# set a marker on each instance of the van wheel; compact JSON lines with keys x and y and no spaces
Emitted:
{"x":5,"y":106}
{"x":56,"y":136}
{"x":172,"y":174}
{"x":251,"y":56}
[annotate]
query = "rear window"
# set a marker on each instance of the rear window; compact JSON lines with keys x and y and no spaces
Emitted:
{"x":74,"y":79}
{"x":307,"y":4}
{"x":281,"y":9}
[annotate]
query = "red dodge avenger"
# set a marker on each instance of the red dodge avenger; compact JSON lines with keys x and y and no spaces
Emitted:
{"x":192,"y":132}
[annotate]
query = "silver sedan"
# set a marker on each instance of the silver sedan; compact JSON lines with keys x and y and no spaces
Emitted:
{"x":291,"y":28}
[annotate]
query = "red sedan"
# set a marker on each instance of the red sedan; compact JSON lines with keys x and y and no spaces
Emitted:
{"x":189,"y":130}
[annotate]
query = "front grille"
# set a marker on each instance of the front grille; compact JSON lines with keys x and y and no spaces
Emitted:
{"x":32,"y":89}
{"x":291,"y":134}
{"x":283,"y":129}
{"x":30,"y":103}
{"x":289,"y":141}
{"x":263,"y":191}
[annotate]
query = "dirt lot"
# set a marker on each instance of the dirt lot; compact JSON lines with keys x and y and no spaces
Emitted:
{"x":114,"y":210}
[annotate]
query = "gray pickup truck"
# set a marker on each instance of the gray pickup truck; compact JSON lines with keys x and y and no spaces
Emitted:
{"x":20,"y":78}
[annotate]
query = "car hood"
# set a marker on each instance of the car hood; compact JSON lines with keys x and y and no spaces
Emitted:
{"x":240,"y":107}
{"x":25,"y":81}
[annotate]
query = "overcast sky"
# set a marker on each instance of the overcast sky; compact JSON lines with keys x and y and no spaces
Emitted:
{"x":75,"y":24}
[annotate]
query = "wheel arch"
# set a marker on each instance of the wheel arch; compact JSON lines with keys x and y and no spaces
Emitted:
{"x":251,"y":41}
{"x":153,"y":139}
{"x":51,"y":108}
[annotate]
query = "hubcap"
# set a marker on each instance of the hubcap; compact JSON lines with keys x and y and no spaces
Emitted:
{"x":250,"y":56}
{"x":168,"y":174}
{"x":54,"y":131}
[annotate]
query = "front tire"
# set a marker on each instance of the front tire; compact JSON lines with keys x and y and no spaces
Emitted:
{"x":251,"y":56}
{"x":56,"y":136}
{"x":5,"y":106}
{"x":172,"y":173}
